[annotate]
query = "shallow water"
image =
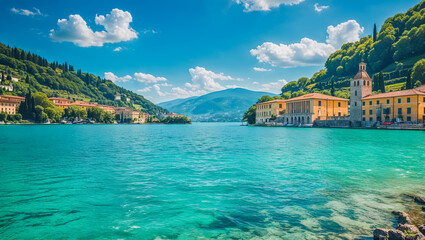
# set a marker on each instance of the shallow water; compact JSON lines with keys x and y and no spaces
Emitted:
{"x":203,"y":181}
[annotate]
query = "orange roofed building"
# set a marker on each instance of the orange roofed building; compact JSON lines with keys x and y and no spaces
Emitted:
{"x":173,"y":115}
{"x":9,"y":103}
{"x":314,"y":106}
{"x":266,"y":111}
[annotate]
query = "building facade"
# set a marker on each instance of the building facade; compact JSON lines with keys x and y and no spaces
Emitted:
{"x":360,"y":87}
{"x":267,"y":111}
{"x":400,"y":106}
{"x":9,"y":104}
{"x":172,"y":115}
{"x":314,"y":106}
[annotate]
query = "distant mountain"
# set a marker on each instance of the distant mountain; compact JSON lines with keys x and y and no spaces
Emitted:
{"x":222,"y":106}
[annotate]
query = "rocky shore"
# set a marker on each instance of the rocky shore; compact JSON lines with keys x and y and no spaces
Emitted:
{"x":410,"y":224}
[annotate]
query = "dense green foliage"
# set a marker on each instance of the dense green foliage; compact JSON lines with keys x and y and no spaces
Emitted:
{"x":36,"y":74}
{"x":249,"y":115}
{"x":176,"y":120}
{"x":389,"y":53}
{"x":418,"y":73}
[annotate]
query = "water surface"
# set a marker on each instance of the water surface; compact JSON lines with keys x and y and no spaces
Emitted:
{"x":211,"y":181}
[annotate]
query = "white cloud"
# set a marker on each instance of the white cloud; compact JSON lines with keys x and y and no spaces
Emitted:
{"x":318,"y":8}
{"x":308,"y":52}
{"x":26,"y":12}
{"x":150,"y":31}
{"x":255,"y":83}
{"x":144,"y":90}
{"x":158,"y":90}
{"x":75,"y":29}
{"x":117,"y":49}
{"x":114,"y":78}
{"x":206,"y":80}
{"x":148,"y":78}
{"x":257,"y":69}
{"x":343,"y":33}
{"x":265,"y":5}
{"x":273,"y":87}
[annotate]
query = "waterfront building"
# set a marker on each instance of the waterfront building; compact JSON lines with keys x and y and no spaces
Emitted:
{"x":9,"y":104}
{"x":173,"y":115}
{"x":399,"y":106}
{"x":360,"y":87}
{"x":61,"y":102}
{"x":267,"y":111}
{"x":107,"y":108}
{"x":314,"y":106}
{"x":126,"y":115}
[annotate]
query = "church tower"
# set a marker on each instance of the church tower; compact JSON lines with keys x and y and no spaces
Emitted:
{"x":360,"y":87}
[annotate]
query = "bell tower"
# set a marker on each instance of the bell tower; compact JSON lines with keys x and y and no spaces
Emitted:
{"x":360,"y":87}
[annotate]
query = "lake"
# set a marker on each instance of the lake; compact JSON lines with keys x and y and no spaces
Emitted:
{"x":205,"y":180}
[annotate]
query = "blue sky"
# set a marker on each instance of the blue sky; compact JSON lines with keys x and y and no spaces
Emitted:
{"x":167,"y":49}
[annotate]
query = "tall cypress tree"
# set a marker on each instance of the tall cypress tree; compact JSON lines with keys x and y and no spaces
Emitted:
{"x":332,"y":87}
{"x":409,"y":84}
{"x":381,"y":82}
{"x":375,"y":33}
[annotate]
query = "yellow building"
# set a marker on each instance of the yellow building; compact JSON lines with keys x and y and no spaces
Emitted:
{"x":314,"y":106}
{"x":269,"y":110}
{"x":400,"y":106}
{"x":8,"y":103}
{"x":127,"y":115}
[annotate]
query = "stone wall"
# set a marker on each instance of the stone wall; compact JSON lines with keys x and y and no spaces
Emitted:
{"x":332,"y":123}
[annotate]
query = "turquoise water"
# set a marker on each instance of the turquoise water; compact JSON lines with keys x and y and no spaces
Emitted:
{"x":203,"y":181}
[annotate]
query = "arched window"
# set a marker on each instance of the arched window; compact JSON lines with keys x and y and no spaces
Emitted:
{"x":358,"y":83}
{"x":364,"y":83}
{"x":355,"y":93}
{"x":368,"y":83}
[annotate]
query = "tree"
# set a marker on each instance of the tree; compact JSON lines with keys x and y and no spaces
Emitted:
{"x":2,"y":76}
{"x":332,"y":87}
{"x":249,"y":115}
{"x":381,"y":82}
{"x":73,"y":112}
{"x":409,"y":83}
{"x":418,"y":72}
{"x":3,"y":116}
{"x":375,"y":33}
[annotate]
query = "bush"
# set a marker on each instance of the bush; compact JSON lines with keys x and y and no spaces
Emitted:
{"x":3,"y":116}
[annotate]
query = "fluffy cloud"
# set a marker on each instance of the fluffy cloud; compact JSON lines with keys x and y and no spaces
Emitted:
{"x":184,"y":93}
{"x":144,"y":90}
{"x":75,"y":29}
{"x":257,"y":69}
{"x":265,"y":5}
{"x":148,"y":78}
{"x":206,"y":80}
{"x":273,"y":87}
{"x":158,"y":90}
{"x":318,"y":8}
{"x":118,"y":49}
{"x":308,"y":52}
{"x":114,"y":78}
{"x":26,"y":12}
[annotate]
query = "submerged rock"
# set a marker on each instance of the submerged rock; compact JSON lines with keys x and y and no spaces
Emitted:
{"x":417,"y":199}
{"x":403,"y":217}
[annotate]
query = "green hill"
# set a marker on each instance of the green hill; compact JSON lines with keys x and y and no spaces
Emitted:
{"x":36,"y":74}
{"x":222,"y":106}
{"x":393,"y":50}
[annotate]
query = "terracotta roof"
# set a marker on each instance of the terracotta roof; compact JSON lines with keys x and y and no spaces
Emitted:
{"x":172,"y":114}
{"x":273,"y":101}
{"x":421,"y":88}
{"x":58,"y":98}
{"x":317,"y":96}
{"x":362,"y":75}
{"x":409,"y":92}
{"x":11,"y":96}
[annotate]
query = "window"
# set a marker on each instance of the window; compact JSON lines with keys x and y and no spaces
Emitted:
{"x":399,"y":100}
{"x":423,"y":100}
{"x":280,"y":105}
{"x":364,"y":112}
{"x":370,"y":102}
{"x":388,"y":101}
{"x":371,"y":119}
{"x":364,"y":103}
{"x":409,"y":110}
{"x":400,"y":111}
{"x":355,"y":104}
{"x":320,"y":103}
{"x":364,"y":119}
{"x":377,"y":102}
{"x":370,"y":111}
{"x":409,"y":119}
{"x":387,"y":111}
{"x":408,"y":100}
{"x":339,"y":104}
{"x":355,"y":93}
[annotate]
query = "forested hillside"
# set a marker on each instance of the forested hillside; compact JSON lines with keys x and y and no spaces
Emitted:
{"x":36,"y":74}
{"x":393,"y":51}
